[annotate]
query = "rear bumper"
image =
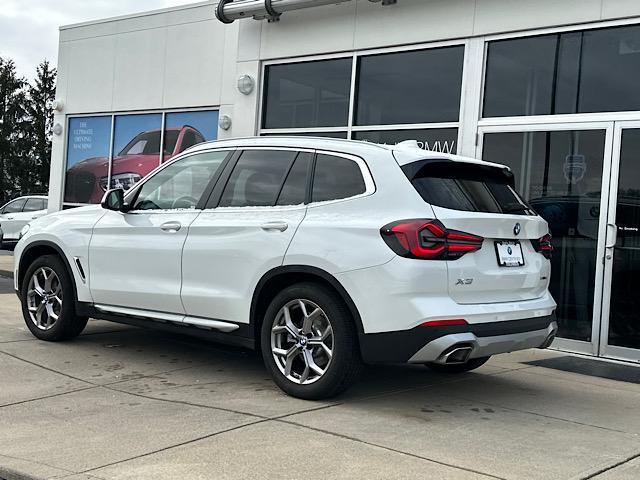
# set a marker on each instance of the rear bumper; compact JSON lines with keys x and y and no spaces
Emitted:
{"x":433,"y":344}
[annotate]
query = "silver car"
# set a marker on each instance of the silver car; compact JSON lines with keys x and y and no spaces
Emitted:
{"x":15,"y":214}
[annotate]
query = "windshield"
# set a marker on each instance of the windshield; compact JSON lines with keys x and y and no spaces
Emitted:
{"x":148,"y":143}
{"x":466,"y":186}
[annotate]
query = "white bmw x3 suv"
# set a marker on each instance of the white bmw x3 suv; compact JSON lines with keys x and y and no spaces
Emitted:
{"x":324,"y":254}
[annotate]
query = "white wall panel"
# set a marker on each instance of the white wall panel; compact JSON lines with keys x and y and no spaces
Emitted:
{"x":620,"y":8}
{"x":310,"y":31}
{"x":193,"y":64}
{"x":495,"y":16}
{"x":411,"y":21}
{"x":90,"y":72}
{"x":139,"y":70}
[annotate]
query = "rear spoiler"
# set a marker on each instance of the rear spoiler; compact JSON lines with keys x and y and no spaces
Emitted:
{"x":461,"y":170}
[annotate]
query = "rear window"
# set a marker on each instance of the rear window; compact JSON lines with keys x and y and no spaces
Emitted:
{"x":466,"y":186}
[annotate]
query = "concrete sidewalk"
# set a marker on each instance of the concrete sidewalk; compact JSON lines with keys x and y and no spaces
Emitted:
{"x":126,"y":403}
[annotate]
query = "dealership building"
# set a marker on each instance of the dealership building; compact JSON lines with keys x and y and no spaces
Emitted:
{"x":550,"y":88}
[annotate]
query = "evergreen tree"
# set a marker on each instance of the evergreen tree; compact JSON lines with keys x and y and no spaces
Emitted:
{"x":12,"y":128}
{"x":40,"y":113}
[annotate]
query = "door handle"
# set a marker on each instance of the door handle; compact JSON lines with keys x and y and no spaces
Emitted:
{"x":9,"y":218}
{"x":614,"y":236}
{"x":279,"y":226}
{"x":171,"y":227}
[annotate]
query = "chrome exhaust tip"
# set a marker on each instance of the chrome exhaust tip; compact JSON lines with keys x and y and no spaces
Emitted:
{"x":456,"y":355}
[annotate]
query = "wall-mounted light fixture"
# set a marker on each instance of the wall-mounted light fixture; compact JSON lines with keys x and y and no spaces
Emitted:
{"x":224,"y":122}
{"x":57,"y":105}
{"x":57,"y":129}
{"x":246,"y":84}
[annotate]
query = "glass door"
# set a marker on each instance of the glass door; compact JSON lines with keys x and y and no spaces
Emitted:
{"x":620,"y":328}
{"x":563,"y":171}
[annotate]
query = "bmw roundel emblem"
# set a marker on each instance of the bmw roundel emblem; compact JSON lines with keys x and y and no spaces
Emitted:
{"x":510,"y":250}
{"x":516,"y":229}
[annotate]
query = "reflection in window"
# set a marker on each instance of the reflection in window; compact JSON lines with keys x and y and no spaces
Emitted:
{"x":434,"y":139}
{"x":335,"y":178}
{"x":410,"y":87}
{"x":186,"y":129}
{"x":560,"y":175}
{"x":181,"y":184}
{"x":257,"y":178}
{"x":310,"y":94}
{"x":574,"y":72}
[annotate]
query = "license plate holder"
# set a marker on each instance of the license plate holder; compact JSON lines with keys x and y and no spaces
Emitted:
{"x":509,"y":253}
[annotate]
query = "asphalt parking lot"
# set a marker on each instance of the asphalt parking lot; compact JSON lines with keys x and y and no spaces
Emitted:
{"x":127,"y":403}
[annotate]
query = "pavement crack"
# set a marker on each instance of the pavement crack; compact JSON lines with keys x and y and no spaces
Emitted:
{"x":389,"y":449}
{"x":45,"y":397}
{"x":611,"y":467}
{"x":181,"y":444}
{"x":47,"y":368}
{"x":183,"y":402}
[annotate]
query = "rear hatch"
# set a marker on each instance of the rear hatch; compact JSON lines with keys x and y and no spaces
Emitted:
{"x":479,"y":198}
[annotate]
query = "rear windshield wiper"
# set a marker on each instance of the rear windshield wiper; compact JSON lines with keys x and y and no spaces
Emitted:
{"x":515,"y":207}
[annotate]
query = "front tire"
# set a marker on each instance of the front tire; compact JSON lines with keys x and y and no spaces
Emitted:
{"x":309,"y":342}
{"x":48,"y":303}
{"x":471,"y":364}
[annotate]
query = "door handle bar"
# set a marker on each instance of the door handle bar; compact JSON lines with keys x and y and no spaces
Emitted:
{"x":614,"y":236}
{"x":171,"y":227}
{"x":279,"y":226}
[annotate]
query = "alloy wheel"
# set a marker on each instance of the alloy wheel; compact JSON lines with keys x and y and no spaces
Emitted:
{"x":302,"y":341}
{"x":44,"y":298}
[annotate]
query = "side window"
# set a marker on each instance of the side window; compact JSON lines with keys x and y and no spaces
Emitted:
{"x":181,"y":184}
{"x":335,"y":178}
{"x":294,"y":190}
{"x":14,"y":207}
{"x":256,"y":178}
{"x":34,"y":204}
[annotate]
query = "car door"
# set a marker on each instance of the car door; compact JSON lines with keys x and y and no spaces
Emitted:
{"x":33,"y":208}
{"x":135,"y":257}
{"x":244,"y":232}
{"x":10,"y":218}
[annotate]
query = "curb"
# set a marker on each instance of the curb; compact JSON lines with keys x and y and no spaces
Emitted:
{"x":9,"y":474}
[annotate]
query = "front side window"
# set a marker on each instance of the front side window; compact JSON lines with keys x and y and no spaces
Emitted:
{"x":34,"y":204}
{"x":574,"y":72}
{"x":14,"y":207}
{"x":181,"y":184}
{"x":336,"y":178}
{"x":257,"y":178}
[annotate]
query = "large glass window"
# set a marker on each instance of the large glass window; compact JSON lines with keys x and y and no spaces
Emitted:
{"x":434,"y":139}
{"x":135,"y":151}
{"x":559,"y":173}
{"x":186,"y":129}
{"x":573,"y":72}
{"x":420,"y":86}
{"x":181,"y":184}
{"x":310,"y":94}
{"x":257,"y":178}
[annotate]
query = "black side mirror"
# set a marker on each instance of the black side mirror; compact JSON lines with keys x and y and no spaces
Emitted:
{"x":114,"y":200}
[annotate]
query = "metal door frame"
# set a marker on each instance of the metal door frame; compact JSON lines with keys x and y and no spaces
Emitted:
{"x":606,"y":350}
{"x":578,"y":346}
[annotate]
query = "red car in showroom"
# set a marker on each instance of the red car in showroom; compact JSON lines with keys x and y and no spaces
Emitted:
{"x":87,"y":180}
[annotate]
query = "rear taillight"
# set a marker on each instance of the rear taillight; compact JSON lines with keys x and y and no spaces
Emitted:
{"x":428,"y":240}
{"x":543,"y":245}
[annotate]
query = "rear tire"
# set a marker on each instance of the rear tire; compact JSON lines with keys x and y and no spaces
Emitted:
{"x":48,"y":303}
{"x":458,"y":367}
{"x":315,"y":359}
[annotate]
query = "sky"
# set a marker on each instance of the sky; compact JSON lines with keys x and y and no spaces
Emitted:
{"x":29,"y":28}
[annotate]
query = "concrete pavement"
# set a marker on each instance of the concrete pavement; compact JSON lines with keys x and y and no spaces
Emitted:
{"x":126,"y":403}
